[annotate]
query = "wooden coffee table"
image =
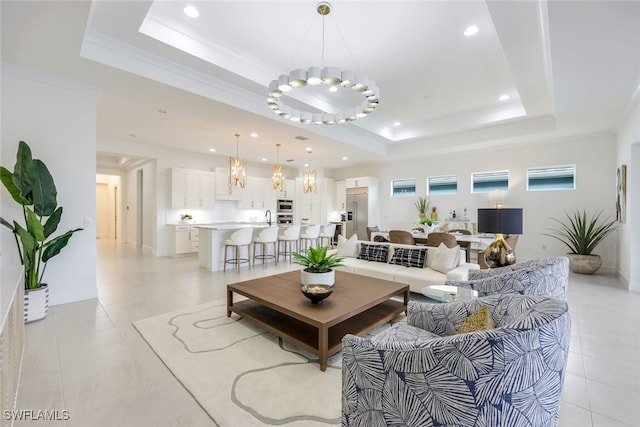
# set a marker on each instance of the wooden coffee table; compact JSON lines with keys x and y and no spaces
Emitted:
{"x":357,"y":305}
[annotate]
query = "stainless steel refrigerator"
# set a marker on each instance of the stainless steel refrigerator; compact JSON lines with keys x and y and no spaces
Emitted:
{"x":357,"y":212}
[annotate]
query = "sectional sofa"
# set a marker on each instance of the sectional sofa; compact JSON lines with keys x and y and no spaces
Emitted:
{"x":416,"y":266}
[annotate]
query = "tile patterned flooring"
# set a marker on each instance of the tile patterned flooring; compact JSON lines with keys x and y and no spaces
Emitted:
{"x":87,"y":358}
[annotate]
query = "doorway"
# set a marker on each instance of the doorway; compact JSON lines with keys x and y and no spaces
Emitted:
{"x":140,"y":205}
{"x":108,"y":205}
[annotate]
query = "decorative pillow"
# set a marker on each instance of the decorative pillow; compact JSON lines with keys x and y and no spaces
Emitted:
{"x":409,"y":257}
{"x":445,"y":258}
{"x":481,"y":320}
{"x":347,"y":248}
{"x":377,"y":253}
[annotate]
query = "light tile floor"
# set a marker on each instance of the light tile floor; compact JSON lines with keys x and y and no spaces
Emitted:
{"x":87,"y":358}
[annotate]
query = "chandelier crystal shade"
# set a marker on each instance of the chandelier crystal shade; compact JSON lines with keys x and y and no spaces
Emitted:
{"x":277,"y":177}
{"x":332,"y":76}
{"x":237,"y":169}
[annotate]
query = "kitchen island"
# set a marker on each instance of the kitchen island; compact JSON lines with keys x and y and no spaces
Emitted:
{"x":212,"y":238}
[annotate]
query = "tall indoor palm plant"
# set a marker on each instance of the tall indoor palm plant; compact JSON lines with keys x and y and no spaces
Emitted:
{"x":32,"y":187}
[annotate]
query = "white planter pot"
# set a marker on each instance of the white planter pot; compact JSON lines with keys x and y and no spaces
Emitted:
{"x":36,"y":303}
{"x":328,"y":278}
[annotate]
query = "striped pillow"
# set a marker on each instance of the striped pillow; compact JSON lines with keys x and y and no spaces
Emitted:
{"x":377,"y":253}
{"x":409,"y":257}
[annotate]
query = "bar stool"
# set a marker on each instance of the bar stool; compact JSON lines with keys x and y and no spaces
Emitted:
{"x":288,"y":236}
{"x":238,"y":239}
{"x":327,"y":232}
{"x":268,"y":236}
{"x":309,"y":238}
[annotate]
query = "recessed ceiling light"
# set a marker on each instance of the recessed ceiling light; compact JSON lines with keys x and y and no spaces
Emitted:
{"x":132,"y":135}
{"x":161,"y":111}
{"x":333,"y":89}
{"x":308,"y":149}
{"x":264,"y":159}
{"x":396,"y":123}
{"x":191,"y":11}
{"x":345,"y":158}
{"x":306,"y":165}
{"x":212,"y":150}
{"x":253,"y":135}
{"x":471,"y":30}
{"x":503,"y":97}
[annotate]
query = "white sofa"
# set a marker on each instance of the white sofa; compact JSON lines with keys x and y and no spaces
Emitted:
{"x":416,"y":278}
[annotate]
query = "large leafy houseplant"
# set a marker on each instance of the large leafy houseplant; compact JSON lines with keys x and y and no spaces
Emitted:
{"x":580,"y":234}
{"x":316,"y":260}
{"x":32,"y":187}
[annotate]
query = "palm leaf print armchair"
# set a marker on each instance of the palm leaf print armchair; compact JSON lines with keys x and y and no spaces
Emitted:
{"x":545,"y":276}
{"x":421,"y":373}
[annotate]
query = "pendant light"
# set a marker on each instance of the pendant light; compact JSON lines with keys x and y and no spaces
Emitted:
{"x":237,"y":169}
{"x":309,"y":177}
{"x":277,"y":178}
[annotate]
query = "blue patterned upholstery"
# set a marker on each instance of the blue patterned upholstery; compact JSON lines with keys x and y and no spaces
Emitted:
{"x":508,"y":376}
{"x":546,"y":277}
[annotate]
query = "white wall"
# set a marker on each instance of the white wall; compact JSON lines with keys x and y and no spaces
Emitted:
{"x":593,"y":155}
{"x":628,"y":152}
{"x":57,"y":118}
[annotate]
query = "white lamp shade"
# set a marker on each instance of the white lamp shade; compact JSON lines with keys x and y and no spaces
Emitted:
{"x":283,"y":83}
{"x":298,"y":78}
{"x":314,"y":76}
{"x":331,"y":75}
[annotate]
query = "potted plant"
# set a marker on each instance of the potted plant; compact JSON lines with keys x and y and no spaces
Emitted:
{"x":422,"y":204}
{"x":582,"y":236}
{"x":33,"y":188}
{"x":318,"y":266}
{"x":186,"y":218}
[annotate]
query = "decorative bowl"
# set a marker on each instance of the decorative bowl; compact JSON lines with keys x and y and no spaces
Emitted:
{"x":316,"y":293}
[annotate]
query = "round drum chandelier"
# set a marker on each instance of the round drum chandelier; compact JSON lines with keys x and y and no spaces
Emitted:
{"x":330,"y":76}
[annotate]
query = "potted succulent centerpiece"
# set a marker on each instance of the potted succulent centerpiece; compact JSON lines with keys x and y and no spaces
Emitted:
{"x":582,"y":235}
{"x":32,"y":187}
{"x":318,"y":266}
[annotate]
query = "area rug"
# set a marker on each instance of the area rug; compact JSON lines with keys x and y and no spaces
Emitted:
{"x":240,"y":374}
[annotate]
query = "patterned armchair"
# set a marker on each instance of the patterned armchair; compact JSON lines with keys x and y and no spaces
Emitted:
{"x":546,"y":277}
{"x":421,"y":374}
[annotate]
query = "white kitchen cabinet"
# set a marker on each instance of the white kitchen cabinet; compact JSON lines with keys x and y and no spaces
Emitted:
{"x":223,"y":191}
{"x":362,"y":181}
{"x":257,"y":194}
{"x":184,"y":239}
{"x":192,"y":188}
{"x":316,"y":205}
{"x":340,"y":196}
{"x":289,"y":191}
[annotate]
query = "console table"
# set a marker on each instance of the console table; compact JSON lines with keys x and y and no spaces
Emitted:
{"x":12,"y":335}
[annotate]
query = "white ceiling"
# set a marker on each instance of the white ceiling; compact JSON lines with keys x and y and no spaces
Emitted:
{"x":569,"y":67}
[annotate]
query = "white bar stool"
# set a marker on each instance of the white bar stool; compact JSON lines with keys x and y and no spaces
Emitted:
{"x":310,"y":237}
{"x":268,"y":236}
{"x":327,"y":232}
{"x":288,"y":236}
{"x":238,"y":239}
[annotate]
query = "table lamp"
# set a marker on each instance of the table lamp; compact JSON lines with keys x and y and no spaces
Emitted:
{"x":500,"y":221}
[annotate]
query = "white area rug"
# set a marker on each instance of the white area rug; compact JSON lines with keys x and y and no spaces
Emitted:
{"x":241,"y":375}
